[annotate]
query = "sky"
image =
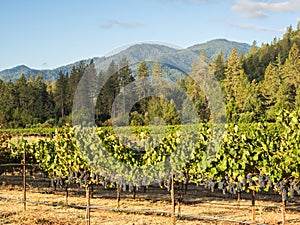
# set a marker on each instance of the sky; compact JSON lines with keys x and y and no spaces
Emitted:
{"x":51,"y":33}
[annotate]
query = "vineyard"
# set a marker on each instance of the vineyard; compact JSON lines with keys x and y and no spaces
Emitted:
{"x":255,"y":165}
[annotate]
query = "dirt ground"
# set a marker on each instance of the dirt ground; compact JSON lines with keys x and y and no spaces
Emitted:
{"x":197,"y":201}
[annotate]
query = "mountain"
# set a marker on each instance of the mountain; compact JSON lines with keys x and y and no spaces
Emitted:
{"x":214,"y":47}
{"x":170,"y":57}
{"x":15,"y":73}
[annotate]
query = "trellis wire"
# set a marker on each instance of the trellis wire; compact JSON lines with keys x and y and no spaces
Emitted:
{"x":127,"y":210}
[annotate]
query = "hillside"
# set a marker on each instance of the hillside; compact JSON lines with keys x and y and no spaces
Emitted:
{"x":137,"y":53}
{"x":213,"y":47}
{"x":15,"y":73}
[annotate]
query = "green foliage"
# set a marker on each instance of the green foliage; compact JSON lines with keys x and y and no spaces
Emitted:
{"x":59,"y":155}
{"x":252,"y":156}
{"x":5,"y":148}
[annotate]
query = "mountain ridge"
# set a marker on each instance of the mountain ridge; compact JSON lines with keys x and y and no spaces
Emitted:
{"x":182,"y":58}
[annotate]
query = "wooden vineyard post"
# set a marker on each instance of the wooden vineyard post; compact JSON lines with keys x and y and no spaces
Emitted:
{"x":186,"y":182}
{"x":179,"y":199}
{"x":134,"y":192}
{"x":253,"y":205}
{"x":92,"y":190}
{"x":173,"y":217}
{"x":239,"y":199}
{"x":118,"y":195}
{"x":283,"y":209}
{"x":67,"y":192}
{"x":88,"y":204}
{"x":24,"y":178}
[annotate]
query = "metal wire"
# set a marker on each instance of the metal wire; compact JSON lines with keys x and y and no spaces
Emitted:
{"x":18,"y":164}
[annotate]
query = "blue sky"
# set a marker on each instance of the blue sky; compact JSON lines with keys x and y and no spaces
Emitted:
{"x":50,"y":33}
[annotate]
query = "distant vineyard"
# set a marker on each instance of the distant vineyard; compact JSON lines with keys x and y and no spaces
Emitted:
{"x":38,"y":131}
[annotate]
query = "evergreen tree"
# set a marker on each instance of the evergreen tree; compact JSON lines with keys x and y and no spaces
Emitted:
{"x":163,"y":104}
{"x":60,"y":95}
{"x":125,"y":78}
{"x":83,"y":110}
{"x":125,"y":73}
{"x":291,"y":71}
{"x":219,"y":67}
{"x":143,"y":70}
{"x":236,"y":86}
{"x":141,"y":88}
{"x":195,"y":88}
{"x":271,"y":84}
{"x":108,"y":93}
{"x":2,"y":103}
{"x":73,"y":80}
{"x":44,"y":105}
{"x":22,"y":113}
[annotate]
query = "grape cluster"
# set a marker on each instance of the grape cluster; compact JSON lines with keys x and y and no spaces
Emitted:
{"x":237,"y":187}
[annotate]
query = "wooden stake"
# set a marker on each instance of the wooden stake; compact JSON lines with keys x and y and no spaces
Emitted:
{"x":67,"y":192}
{"x":24,"y":178}
{"x":239,"y":198}
{"x":134,"y":192}
{"x":253,"y":205}
{"x":118,"y":195}
{"x":173,"y":218}
{"x":283,"y":209}
{"x":88,"y":204}
{"x":179,"y":199}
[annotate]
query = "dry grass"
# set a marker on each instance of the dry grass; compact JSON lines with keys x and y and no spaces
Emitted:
{"x":196,"y":202}
{"x":31,"y":139}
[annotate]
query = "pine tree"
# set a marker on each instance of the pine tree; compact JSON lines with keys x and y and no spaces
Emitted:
{"x":3,"y":90}
{"x":291,"y":71}
{"x":125,"y":78}
{"x":157,"y":105}
{"x":195,"y":85}
{"x":73,"y":79}
{"x":271,"y":84}
{"x":142,"y":88}
{"x":108,"y":93}
{"x":43,"y":105}
{"x":236,"y":86}
{"x":83,"y":110}
{"x":60,"y":94}
{"x":143,"y":71}
{"x":219,"y":67}
{"x":125,"y":73}
{"x":291,"y":68}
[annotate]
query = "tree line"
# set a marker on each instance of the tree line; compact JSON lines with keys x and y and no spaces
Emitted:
{"x":255,"y":86}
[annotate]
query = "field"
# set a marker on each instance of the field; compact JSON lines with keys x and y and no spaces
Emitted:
{"x":198,"y":202}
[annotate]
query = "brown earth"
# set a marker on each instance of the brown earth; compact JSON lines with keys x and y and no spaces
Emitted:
{"x":197,"y":201}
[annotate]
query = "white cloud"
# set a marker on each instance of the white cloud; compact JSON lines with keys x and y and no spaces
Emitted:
{"x":252,"y":9}
{"x":114,"y":22}
{"x":247,"y":26}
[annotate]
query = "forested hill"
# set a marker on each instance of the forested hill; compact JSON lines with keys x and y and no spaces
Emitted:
{"x":214,"y":47}
{"x":137,"y":53}
{"x":15,"y":73}
{"x":276,"y":52}
{"x":256,"y":86}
